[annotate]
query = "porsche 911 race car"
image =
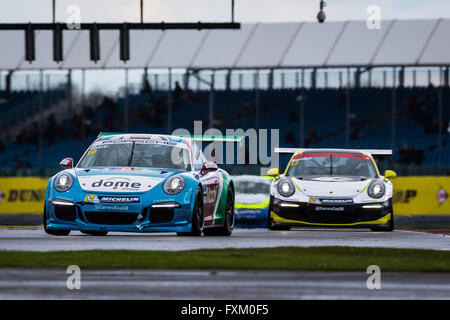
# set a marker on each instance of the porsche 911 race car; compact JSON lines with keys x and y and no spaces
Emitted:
{"x":252,"y":200}
{"x":332,"y":188}
{"x":141,"y":183}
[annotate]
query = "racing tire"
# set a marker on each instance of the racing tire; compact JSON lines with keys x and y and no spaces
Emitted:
{"x":197,"y":217}
{"x":95,"y":233}
{"x":390,"y":226}
{"x":273,"y":227}
{"x":53,"y":232}
{"x":228,"y":225}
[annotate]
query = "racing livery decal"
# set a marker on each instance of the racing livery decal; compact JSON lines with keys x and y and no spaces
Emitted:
{"x":105,"y":183}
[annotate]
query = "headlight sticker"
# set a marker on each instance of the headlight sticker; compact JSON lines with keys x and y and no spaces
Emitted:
{"x":112,"y":199}
{"x":121,"y":199}
{"x":330,"y":201}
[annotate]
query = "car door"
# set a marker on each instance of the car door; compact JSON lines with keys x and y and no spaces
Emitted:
{"x":211,"y":184}
{"x":210,"y":178}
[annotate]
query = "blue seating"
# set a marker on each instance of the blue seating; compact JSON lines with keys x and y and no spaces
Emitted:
{"x":370,"y":111}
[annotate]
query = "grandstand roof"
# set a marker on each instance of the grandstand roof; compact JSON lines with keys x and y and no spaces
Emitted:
{"x":261,"y":45}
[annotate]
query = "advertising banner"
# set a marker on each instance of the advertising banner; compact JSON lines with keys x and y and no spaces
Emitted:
{"x":412,"y":195}
{"x":22,"y":195}
{"x":421,"y":195}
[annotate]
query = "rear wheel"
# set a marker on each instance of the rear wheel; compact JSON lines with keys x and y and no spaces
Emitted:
{"x":228,"y":224}
{"x":53,"y":232}
{"x":197,"y":217}
{"x":96,"y":233}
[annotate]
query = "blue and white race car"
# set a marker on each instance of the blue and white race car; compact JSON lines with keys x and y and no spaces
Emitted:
{"x":140,"y":183}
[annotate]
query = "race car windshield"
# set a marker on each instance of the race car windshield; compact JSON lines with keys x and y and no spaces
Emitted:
{"x":332,"y":164}
{"x":252,"y":187}
{"x":134,"y":154}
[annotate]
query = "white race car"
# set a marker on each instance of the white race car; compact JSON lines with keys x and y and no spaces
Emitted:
{"x":331,"y":188}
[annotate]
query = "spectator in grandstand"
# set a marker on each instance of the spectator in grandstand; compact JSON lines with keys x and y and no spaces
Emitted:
{"x":293,"y":116}
{"x":343,"y":98}
{"x":75,"y":121}
{"x":289,"y":138}
{"x":33,"y":134}
{"x":403,"y":153}
{"x":20,"y":164}
{"x":155,"y":118}
{"x":190,"y":95}
{"x":8,"y":83}
{"x":411,"y":155}
{"x":312,"y":136}
{"x":417,"y":155}
{"x":75,"y":125}
{"x":146,"y":87}
{"x":88,"y":112}
{"x":358,"y":131}
{"x":50,"y":128}
{"x":60,"y":132}
{"x":111,"y":107}
{"x":108,"y":104}
{"x":177,"y":93}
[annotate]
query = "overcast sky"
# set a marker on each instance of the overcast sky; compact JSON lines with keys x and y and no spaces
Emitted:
{"x":210,"y":10}
{"x":219,"y":10}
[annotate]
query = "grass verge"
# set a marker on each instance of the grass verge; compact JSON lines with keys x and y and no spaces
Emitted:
{"x":286,"y":258}
{"x":424,"y":227}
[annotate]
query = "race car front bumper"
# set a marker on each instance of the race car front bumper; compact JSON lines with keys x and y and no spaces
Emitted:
{"x":348,"y":215}
{"x":158,"y":217}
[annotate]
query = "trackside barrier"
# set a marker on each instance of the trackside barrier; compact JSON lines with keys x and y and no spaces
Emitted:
{"x":412,"y":195}
{"x":22,"y":195}
{"x":421,"y":195}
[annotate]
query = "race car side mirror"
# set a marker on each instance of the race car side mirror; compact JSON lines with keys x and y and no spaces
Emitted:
{"x":389,"y":174}
{"x":66,"y":163}
{"x":208,"y":167}
{"x":273,"y":172}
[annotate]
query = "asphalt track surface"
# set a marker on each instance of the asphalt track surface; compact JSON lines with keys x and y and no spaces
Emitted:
{"x":38,"y":240}
{"x":19,"y":283}
{"x":217,"y":285}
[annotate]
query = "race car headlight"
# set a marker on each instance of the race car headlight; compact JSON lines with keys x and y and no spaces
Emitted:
{"x":174,"y":185}
{"x":376,"y":189}
{"x":286,"y":188}
{"x":63,"y":182}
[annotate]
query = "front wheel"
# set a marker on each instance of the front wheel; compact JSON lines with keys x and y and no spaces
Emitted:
{"x":197,"y":217}
{"x":274,"y":227}
{"x":53,"y":232}
{"x":390,"y":226}
{"x":228,"y":224}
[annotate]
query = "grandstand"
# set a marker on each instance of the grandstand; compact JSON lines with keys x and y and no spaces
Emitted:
{"x":369,"y":129}
{"x":355,"y":88}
